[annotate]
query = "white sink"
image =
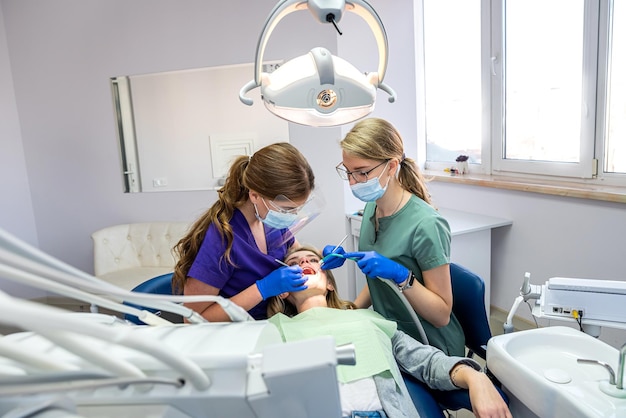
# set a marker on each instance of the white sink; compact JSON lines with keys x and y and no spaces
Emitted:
{"x":539,"y":370}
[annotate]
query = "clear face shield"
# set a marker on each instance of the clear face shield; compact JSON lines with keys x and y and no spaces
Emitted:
{"x":300,"y":216}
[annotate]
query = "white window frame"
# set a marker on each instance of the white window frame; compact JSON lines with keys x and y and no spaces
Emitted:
{"x":582,"y":169}
{"x":593,"y":107}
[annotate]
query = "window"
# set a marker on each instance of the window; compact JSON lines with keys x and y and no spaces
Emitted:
{"x":615,"y":153}
{"x":452,"y":67}
{"x":526,"y":86}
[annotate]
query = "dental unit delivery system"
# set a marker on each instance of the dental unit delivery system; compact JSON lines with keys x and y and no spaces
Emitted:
{"x":591,"y":303}
{"x":67,"y":364}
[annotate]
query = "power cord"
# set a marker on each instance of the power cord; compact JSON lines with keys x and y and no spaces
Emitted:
{"x":530,"y":308}
{"x":578,"y":316}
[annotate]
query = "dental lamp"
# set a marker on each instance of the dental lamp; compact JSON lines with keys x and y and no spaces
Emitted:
{"x":318,"y":88}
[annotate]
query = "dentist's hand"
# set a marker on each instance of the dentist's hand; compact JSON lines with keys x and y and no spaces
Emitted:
{"x":281,"y":280}
{"x":373,"y":264}
{"x":332,"y":262}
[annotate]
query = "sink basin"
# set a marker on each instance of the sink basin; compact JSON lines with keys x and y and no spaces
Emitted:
{"x":539,"y":370}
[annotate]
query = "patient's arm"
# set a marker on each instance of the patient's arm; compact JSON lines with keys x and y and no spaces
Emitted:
{"x":426,"y":363}
{"x":486,"y":400}
{"x":439,"y":371}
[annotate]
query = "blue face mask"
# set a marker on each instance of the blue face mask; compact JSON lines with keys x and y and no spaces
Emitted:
{"x":369,"y":191}
{"x":277,"y":220}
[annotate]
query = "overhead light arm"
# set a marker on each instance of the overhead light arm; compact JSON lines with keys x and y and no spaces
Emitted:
{"x":325,"y":11}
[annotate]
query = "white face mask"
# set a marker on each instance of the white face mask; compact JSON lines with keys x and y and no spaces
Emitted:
{"x":371,"y":190}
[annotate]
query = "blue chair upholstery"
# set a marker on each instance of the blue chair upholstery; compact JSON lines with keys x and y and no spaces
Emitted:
{"x":468,"y":291}
{"x":160,"y":285}
{"x":422,"y":397}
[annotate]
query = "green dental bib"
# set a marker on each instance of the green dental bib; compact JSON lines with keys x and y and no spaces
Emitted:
{"x":367,"y":330}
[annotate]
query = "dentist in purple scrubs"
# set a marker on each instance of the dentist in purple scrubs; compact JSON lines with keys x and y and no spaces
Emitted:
{"x":231,"y":250}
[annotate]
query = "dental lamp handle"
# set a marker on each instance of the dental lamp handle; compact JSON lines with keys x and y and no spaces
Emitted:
{"x":392,"y":94}
{"x":251,"y":85}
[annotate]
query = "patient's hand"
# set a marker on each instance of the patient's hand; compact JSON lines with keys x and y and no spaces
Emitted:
{"x":485,"y":398}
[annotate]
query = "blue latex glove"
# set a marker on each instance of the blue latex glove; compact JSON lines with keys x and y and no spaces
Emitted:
{"x":373,"y":264}
{"x":332,"y":262}
{"x":281,"y":280}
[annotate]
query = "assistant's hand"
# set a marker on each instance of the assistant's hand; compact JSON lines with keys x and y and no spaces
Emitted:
{"x":332,"y":262}
{"x":281,"y":280}
{"x":373,"y":264}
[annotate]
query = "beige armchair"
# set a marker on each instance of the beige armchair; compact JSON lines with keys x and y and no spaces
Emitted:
{"x":129,"y":254}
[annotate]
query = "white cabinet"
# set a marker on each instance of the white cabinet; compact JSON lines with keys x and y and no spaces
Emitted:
{"x":470,"y":246}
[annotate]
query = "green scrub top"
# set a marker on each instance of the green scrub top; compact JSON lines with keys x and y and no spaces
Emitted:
{"x":417,"y":237}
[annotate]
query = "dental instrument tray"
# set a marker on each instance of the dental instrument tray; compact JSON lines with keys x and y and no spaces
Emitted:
{"x":233,"y":369}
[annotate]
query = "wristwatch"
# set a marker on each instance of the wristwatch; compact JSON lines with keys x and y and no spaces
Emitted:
{"x":409,"y":282}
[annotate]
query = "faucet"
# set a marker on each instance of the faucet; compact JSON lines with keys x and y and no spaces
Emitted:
{"x":606,"y":365}
{"x":620,"y":367}
{"x":618,"y":380}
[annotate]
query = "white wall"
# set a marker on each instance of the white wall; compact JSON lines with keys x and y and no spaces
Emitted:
{"x":16,"y":209}
{"x":550,"y":236}
{"x":63,"y":53}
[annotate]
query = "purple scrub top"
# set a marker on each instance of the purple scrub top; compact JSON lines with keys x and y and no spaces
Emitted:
{"x":250,"y":264}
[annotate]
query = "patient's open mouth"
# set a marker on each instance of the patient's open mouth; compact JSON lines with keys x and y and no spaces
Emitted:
{"x":308,"y":271}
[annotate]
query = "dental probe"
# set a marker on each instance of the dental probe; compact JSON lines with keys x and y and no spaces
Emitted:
{"x":340,"y":242}
{"x":280,"y":262}
{"x":323,"y":260}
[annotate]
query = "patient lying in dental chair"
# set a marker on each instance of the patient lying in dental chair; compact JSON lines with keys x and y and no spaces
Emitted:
{"x":374,"y":386}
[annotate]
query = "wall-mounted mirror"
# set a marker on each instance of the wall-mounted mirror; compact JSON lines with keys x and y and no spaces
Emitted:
{"x":179,"y":130}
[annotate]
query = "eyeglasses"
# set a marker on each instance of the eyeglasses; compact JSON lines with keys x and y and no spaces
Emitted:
{"x":358,"y":176}
{"x":279,"y":203}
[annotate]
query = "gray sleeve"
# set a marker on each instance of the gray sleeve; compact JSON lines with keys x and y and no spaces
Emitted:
{"x":426,"y":363}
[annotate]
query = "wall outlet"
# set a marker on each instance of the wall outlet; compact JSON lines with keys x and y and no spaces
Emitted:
{"x":160,"y":182}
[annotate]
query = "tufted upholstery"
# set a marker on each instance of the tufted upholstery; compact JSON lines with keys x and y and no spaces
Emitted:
{"x":129,"y":254}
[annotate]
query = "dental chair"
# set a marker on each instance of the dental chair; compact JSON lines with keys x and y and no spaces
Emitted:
{"x":159,"y":285}
{"x":468,"y":291}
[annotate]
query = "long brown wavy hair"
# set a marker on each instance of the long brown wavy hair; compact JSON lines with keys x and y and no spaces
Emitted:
{"x":275,"y":169}
{"x":377,"y":139}
{"x":278,"y":305}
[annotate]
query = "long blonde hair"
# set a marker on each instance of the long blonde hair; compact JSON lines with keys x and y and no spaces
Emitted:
{"x":278,"y":305}
{"x":275,"y":169}
{"x":377,"y":139}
